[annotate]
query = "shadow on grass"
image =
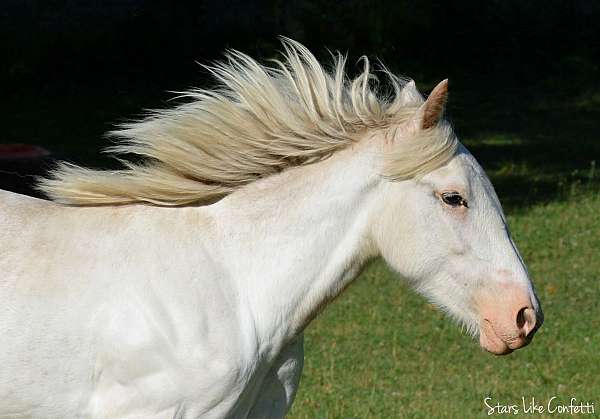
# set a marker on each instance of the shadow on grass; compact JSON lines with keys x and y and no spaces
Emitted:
{"x":537,"y":143}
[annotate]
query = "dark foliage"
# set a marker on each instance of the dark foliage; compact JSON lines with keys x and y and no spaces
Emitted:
{"x":71,"y":68}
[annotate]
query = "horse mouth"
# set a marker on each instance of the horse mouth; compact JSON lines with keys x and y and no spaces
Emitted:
{"x":498,"y":343}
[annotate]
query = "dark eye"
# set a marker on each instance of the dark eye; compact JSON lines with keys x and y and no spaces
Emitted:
{"x":454,"y":199}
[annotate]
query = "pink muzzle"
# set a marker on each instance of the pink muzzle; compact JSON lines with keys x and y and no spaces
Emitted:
{"x":508,"y":319}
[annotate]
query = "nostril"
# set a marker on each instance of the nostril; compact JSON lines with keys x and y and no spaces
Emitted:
{"x":526,"y":320}
{"x":521,"y":318}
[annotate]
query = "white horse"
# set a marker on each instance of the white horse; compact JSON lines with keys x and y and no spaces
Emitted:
{"x":180,"y":286}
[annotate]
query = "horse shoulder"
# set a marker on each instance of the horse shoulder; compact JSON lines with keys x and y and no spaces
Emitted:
{"x":278,"y":389}
{"x":132,"y":299}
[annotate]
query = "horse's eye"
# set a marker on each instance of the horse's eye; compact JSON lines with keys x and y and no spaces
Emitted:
{"x":454,"y":199}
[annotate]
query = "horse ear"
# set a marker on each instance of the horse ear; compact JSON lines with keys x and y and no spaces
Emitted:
{"x":409,"y":95}
{"x":432,"y":111}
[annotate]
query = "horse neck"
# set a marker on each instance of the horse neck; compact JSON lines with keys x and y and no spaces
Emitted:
{"x":294,"y":241}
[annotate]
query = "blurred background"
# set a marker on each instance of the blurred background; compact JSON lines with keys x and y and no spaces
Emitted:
{"x":524,"y":97}
{"x":72,"y":69}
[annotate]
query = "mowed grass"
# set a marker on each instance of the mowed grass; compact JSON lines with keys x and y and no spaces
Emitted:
{"x":381,"y":351}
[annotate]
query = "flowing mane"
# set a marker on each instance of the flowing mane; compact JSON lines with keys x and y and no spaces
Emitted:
{"x":258,"y":121}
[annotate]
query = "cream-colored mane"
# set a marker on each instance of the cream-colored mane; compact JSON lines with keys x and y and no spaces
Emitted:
{"x":258,"y":121}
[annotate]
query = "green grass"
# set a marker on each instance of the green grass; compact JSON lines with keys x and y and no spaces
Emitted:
{"x":381,"y":351}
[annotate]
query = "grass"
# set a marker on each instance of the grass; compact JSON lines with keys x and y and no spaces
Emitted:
{"x":382,"y":351}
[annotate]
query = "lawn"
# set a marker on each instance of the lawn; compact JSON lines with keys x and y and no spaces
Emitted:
{"x":382,"y":351}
